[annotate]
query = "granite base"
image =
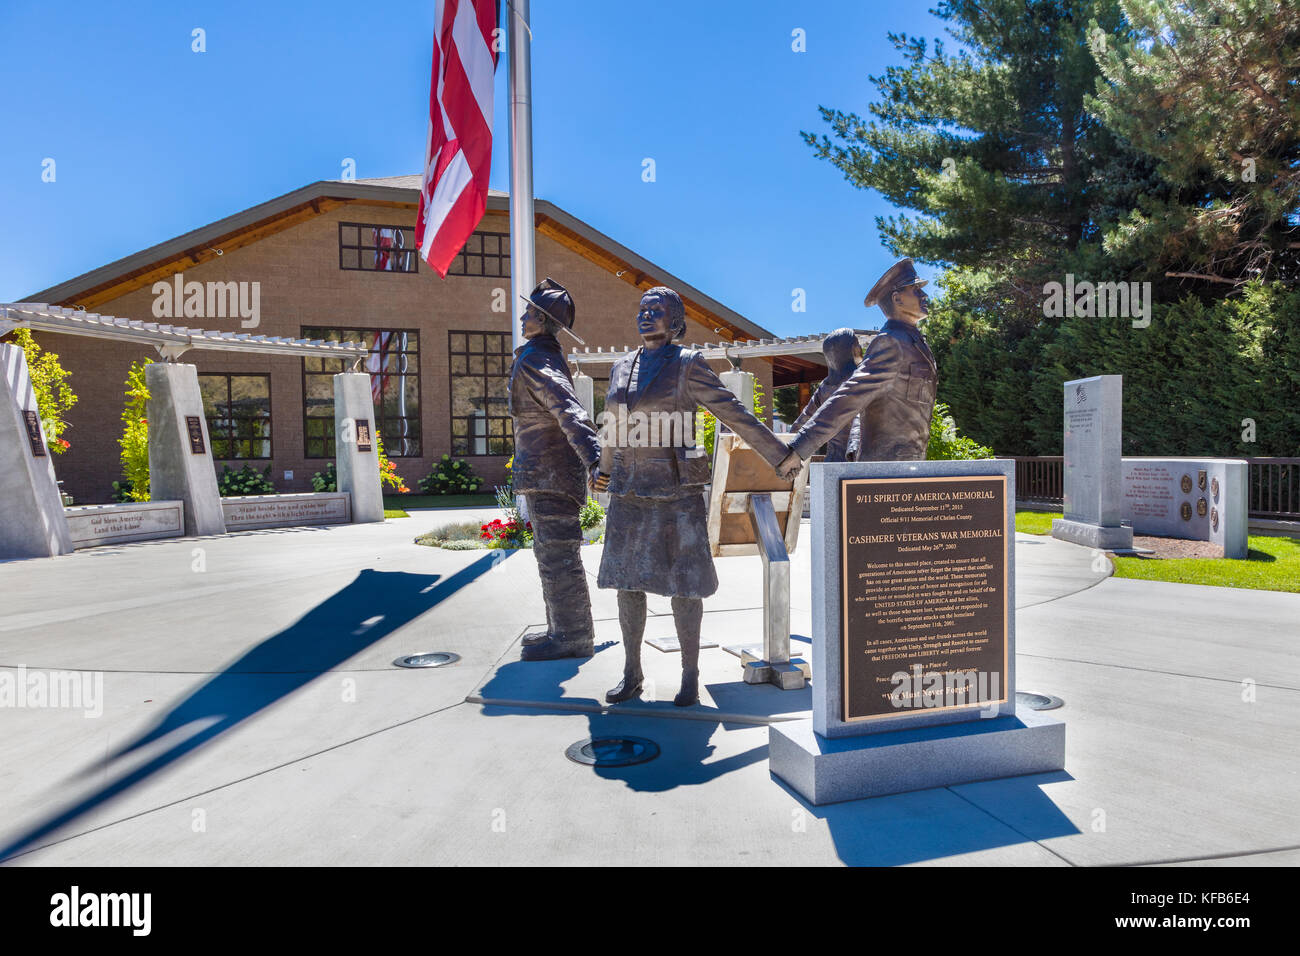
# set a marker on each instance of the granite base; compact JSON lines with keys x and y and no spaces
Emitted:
{"x":1092,"y":535}
{"x":831,"y":770}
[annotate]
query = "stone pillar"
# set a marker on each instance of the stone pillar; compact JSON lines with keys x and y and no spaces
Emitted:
{"x":356,"y":454}
{"x":1094,"y":480}
{"x":34,"y":525}
{"x":584,"y":388}
{"x":180,"y":453}
{"x":742,"y":385}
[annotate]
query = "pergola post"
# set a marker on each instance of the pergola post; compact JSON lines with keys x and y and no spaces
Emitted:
{"x":584,"y":388}
{"x":356,"y":453}
{"x":180,"y":453}
{"x":34,"y":524}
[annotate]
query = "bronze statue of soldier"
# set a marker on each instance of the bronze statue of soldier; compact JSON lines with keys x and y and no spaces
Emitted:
{"x":656,"y":532}
{"x":843,"y":354}
{"x":557,"y":454}
{"x":893,"y":389}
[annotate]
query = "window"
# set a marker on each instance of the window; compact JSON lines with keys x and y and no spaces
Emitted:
{"x":377,"y":248}
{"x":238,"y":410}
{"x":480,"y":414}
{"x":485,"y":254}
{"x":394,"y":367}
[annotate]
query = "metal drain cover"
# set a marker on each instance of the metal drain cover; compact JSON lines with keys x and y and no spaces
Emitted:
{"x":434,"y":659}
{"x":612,"y":751}
{"x":1038,"y":701}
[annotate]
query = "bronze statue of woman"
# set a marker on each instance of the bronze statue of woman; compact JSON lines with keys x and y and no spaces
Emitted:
{"x":656,"y":534}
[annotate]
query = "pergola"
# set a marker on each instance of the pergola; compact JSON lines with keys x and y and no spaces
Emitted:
{"x":184,"y":493}
{"x":803,"y":353}
{"x":171,"y":341}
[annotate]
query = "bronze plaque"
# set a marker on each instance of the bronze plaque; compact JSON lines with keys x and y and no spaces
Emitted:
{"x":1200,"y":480}
{"x":1187,"y":484}
{"x":363,"y":434}
{"x":1214,"y":488}
{"x":1202,"y":507}
{"x":1214,"y":518}
{"x":195,"y":426}
{"x":1185,"y":510}
{"x":924,"y":588}
{"x":34,"y":433}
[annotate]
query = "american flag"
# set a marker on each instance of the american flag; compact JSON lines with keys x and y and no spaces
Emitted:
{"x":458,"y":155}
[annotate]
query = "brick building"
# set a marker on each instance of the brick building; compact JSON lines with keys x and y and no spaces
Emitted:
{"x":337,"y":260}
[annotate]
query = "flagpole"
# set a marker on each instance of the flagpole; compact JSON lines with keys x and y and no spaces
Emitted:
{"x":522,"y":252}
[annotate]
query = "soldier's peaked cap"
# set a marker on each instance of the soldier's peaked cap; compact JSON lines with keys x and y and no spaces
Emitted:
{"x":898,"y":276}
{"x":554,"y":300}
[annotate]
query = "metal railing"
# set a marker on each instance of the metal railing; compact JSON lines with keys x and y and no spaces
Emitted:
{"x":1273,"y":485}
{"x":1274,"y":488}
{"x":1040,"y":478}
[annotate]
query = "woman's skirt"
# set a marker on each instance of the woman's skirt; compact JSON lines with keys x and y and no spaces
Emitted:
{"x":658,"y":546}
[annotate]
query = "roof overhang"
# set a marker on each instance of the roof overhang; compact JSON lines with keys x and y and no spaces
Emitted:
{"x":208,"y":242}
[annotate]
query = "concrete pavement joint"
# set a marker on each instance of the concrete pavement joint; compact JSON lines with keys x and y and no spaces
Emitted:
{"x":1213,"y":856}
{"x":1009,"y":826}
{"x":1152,"y":670}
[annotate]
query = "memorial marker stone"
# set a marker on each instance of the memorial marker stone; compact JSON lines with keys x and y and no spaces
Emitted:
{"x":95,"y":525}
{"x":33,"y":525}
{"x":913,"y":635}
{"x":1093,"y":481}
{"x":357,"y":460}
{"x":1202,"y":500}
{"x":179,"y":468}
{"x":280,"y":511}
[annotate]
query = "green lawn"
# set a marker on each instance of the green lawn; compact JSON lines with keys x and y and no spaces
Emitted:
{"x":395,"y":513}
{"x":1035,"y":522}
{"x":1273,"y":564}
{"x":438,"y":501}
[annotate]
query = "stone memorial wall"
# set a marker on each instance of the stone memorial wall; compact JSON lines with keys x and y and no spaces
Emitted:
{"x":280,"y":511}
{"x":95,"y":525}
{"x":1198,"y":499}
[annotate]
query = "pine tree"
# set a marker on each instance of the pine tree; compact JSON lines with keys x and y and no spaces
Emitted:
{"x":1207,"y":88}
{"x":992,"y":146}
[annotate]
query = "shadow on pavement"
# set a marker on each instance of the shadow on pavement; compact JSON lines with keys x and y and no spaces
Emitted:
{"x":372,"y":606}
{"x":932,"y":824}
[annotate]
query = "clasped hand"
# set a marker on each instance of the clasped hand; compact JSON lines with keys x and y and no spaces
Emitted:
{"x":789,"y":466}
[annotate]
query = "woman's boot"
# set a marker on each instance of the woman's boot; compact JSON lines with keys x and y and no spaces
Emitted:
{"x":687,"y":615}
{"x":631,"y":618}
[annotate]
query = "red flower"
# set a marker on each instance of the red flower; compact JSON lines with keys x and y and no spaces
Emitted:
{"x":64,"y":443}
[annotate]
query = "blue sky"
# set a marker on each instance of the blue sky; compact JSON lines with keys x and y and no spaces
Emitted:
{"x":151,"y":139}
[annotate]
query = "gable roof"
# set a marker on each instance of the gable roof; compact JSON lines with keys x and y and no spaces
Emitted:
{"x":174,"y":255}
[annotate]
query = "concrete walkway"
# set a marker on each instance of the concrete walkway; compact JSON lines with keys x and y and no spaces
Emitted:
{"x":251,"y":714}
